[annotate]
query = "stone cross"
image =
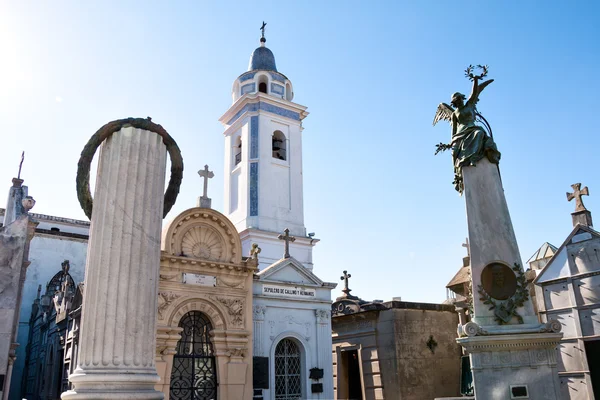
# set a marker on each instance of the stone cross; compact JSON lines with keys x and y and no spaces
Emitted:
{"x":466,"y":245}
{"x":204,"y":201}
{"x":577,"y":193}
{"x":287,"y":239}
{"x":345,"y":278}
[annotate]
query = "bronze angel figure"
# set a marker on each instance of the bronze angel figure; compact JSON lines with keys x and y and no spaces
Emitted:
{"x":470,"y":142}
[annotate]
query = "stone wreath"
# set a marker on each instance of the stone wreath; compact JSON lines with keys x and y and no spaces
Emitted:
{"x":505,"y":310}
{"x":87,"y":154}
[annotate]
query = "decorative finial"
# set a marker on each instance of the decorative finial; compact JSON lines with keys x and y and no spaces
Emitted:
{"x":28,"y":203}
{"x":345,"y":278}
{"x":21,"y":164}
{"x":204,"y":201}
{"x":287,"y":239}
{"x":254,"y":251}
{"x":577,"y":193}
{"x":262,"y":37}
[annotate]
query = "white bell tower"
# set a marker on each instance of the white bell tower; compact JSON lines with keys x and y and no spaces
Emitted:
{"x":263,"y":161}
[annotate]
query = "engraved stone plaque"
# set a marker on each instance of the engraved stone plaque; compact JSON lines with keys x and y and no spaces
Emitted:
{"x":499,"y":281}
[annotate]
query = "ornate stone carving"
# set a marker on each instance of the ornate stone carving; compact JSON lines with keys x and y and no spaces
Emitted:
{"x":28,"y":203}
{"x":164,"y":301}
{"x":254,"y":251}
{"x":204,"y":242}
{"x":472,"y":329}
{"x":552,"y":326}
{"x":235,"y":309}
{"x":237,"y":352}
{"x":259,"y":312}
{"x":323,"y":316}
{"x":166,"y":277}
{"x":234,"y":283}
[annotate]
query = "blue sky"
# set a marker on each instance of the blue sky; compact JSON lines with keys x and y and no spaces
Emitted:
{"x":371,"y":74}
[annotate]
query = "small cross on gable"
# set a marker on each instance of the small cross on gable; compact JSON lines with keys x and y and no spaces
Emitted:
{"x":287,"y":238}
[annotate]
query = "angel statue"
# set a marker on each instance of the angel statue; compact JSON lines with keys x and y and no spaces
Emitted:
{"x":470,"y":142}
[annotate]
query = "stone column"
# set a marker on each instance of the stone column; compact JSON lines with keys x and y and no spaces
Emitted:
{"x":118,"y":328}
{"x":324,"y":353}
{"x":258,"y":321}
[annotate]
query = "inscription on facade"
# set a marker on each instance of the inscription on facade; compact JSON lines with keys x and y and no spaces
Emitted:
{"x":285,"y":291}
{"x":201,"y":280}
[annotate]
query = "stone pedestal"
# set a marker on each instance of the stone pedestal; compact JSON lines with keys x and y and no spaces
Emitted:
{"x":505,"y":365}
{"x":512,"y":354}
{"x":118,"y":328}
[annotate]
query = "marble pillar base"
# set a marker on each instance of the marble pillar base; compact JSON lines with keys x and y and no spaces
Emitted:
{"x":116,"y":384}
{"x":502,"y":364}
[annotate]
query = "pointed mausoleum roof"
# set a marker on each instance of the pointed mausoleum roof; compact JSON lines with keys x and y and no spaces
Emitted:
{"x":545,"y":251}
{"x":558,"y":266}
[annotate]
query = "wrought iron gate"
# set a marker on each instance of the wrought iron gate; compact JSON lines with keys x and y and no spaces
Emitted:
{"x":194,"y":374}
{"x":288,"y":371}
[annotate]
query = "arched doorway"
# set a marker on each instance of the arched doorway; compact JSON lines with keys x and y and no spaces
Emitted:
{"x":288,"y":370}
{"x":194,"y":373}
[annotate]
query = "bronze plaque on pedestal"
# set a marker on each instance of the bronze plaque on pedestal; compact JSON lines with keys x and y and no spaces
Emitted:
{"x":499,"y":281}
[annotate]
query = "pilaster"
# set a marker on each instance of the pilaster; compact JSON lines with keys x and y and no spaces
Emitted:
{"x":259,"y":322}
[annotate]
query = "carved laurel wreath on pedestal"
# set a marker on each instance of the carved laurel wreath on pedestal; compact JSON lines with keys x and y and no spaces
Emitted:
{"x":505,"y":310}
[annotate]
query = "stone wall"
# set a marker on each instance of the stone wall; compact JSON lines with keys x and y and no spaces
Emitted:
{"x":407,"y":351}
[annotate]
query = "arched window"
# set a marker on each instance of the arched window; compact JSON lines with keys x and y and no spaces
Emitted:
{"x":279,"y":146}
{"x":194,"y":374}
{"x":237,"y":151}
{"x":289,"y":95}
{"x":288,"y":370}
{"x":263,"y":82}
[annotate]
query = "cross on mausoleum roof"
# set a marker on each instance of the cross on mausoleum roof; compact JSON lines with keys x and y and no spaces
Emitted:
{"x":204,"y":201}
{"x":577,"y":193}
{"x":345,"y":278}
{"x":287,"y":238}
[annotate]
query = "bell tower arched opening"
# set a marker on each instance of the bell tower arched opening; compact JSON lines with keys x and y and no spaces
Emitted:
{"x":279,"y":146}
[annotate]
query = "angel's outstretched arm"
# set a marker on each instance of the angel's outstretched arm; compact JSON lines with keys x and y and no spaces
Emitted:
{"x":478,"y":88}
{"x":475,"y":91}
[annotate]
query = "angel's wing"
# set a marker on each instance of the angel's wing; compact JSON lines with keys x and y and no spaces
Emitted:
{"x":444,"y":112}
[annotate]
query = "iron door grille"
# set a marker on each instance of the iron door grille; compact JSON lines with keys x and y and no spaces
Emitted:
{"x":194,"y":374}
{"x":288,"y":371}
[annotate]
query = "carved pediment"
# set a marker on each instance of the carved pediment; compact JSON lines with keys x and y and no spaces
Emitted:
{"x":203,"y":234}
{"x":289,"y":270}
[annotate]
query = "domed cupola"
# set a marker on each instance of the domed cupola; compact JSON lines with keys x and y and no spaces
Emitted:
{"x":262,"y":76}
{"x":262,"y":58}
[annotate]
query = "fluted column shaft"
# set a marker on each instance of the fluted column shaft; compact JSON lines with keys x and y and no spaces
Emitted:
{"x":118,"y":327}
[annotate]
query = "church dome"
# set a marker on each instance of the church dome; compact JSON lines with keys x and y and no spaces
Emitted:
{"x":263,"y":59}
